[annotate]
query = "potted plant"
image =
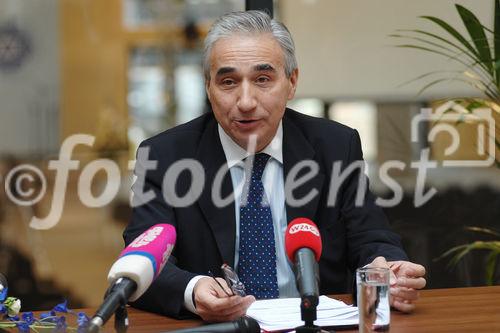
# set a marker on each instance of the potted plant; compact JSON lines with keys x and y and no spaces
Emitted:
{"x":478,"y":54}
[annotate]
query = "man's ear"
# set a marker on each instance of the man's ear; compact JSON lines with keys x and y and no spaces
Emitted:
{"x":294,"y":77}
{"x":207,"y":87}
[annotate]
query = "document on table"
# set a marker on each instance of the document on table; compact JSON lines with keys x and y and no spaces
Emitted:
{"x":284,"y":313}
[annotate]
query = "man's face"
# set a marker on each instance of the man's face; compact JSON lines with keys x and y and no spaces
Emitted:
{"x":248,"y":88}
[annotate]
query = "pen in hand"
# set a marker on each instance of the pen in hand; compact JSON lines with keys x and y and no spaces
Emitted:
{"x":220,"y":285}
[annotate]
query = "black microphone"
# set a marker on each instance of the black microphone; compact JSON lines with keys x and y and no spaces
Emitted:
{"x":117,"y":295}
{"x":307,"y":273}
{"x":243,"y":325}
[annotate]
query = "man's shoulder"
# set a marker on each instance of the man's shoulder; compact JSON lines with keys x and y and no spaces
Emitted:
{"x":314,"y":128}
{"x":184,"y":136}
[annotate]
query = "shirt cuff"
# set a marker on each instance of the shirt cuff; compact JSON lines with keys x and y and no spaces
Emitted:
{"x":188,"y":294}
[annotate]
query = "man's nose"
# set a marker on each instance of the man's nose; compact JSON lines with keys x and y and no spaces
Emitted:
{"x":246,"y":99}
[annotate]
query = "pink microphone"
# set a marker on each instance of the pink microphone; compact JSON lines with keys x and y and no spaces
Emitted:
{"x":134,"y":271}
{"x":144,"y":258}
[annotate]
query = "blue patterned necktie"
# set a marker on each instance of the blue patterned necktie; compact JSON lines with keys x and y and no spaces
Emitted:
{"x":257,"y":252}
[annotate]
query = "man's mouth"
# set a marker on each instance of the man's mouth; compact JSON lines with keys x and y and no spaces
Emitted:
{"x":247,"y":124}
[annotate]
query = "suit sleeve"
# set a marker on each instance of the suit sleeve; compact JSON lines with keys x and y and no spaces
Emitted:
{"x":368,"y":232}
{"x":166,"y":294}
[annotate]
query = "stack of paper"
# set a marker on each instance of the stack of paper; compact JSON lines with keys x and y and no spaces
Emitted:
{"x":284,"y":313}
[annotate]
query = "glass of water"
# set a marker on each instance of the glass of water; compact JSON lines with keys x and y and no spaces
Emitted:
{"x":372,"y":285}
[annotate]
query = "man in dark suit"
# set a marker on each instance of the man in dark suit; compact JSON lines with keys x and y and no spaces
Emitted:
{"x":225,"y":212}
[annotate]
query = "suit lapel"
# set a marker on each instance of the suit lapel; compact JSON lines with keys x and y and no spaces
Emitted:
{"x":221,"y":220}
{"x":296,"y":148}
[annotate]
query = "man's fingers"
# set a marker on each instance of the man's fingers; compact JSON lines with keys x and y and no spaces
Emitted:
{"x":231,"y":308}
{"x":379,"y":262}
{"x":395,"y":298}
{"x":225,"y":290}
{"x":218,"y":289}
{"x":248,"y":300}
{"x":411,"y":269}
{"x":405,"y":279}
{"x":404,"y":294}
{"x":393,"y":280}
{"x":212,"y":302}
{"x":238,"y":310}
{"x":408,"y":282}
{"x":230,"y":312}
{"x":225,"y":312}
{"x":403,"y":306}
{"x":216,"y":312}
{"x":394,"y":265}
{"x":221,"y":304}
{"x":382,"y":263}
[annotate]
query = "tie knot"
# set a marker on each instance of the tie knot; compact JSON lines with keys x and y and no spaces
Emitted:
{"x":261,"y":158}
{"x":259,"y":164}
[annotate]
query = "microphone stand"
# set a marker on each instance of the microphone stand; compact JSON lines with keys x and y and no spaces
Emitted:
{"x":307,"y":272}
{"x":308,"y":314}
{"x":121,"y":319}
{"x":119,"y":292}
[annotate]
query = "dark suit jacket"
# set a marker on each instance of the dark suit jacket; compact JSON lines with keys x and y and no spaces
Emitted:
{"x":352,"y":236}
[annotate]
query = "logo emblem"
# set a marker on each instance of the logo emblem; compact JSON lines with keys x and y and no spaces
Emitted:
{"x":147,"y":237}
{"x":304,"y":227}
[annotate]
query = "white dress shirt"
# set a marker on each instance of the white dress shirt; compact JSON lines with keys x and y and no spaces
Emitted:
{"x":274,"y":188}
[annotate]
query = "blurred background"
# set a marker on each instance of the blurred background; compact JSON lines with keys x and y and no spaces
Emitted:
{"x":124,"y":70}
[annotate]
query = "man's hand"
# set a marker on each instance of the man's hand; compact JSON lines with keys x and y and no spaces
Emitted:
{"x":214,"y":305}
{"x":406,"y":279}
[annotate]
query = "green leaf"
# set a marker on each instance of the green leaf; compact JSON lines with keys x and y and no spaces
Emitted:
{"x":423,"y":40}
{"x":475,"y":105}
{"x":487,"y":29}
{"x":483,"y":230}
{"x":496,"y":41}
{"x":480,"y":84}
{"x":471,"y":49}
{"x":452,"y":250}
{"x":477,"y":34}
{"x":490,"y":267}
{"x":477,"y":84}
{"x":464,"y":249}
{"x":455,"y":56}
{"x":427,"y":75}
{"x":423,"y":48}
{"x":430,"y":84}
{"x":472,"y":55}
{"x":452,"y":31}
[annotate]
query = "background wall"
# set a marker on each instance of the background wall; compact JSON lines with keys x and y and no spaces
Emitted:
{"x":93,"y":64}
{"x":29,"y":94}
{"x":344,"y":51}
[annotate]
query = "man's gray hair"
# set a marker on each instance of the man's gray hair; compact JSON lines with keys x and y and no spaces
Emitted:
{"x":250,"y":22}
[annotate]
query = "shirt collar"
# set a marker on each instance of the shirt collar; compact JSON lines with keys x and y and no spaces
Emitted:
{"x":235,"y":154}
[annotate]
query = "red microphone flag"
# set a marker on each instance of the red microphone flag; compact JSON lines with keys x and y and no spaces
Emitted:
{"x":302,"y":233}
